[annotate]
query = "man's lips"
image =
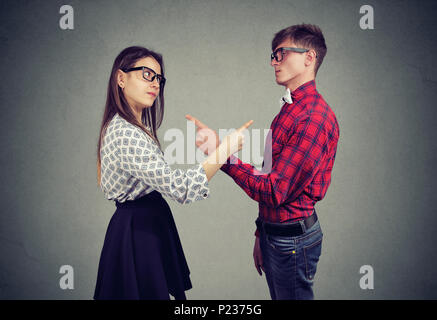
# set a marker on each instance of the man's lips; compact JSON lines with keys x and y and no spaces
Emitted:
{"x":277,"y":71}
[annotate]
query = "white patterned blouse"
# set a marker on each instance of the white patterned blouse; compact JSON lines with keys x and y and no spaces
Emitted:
{"x":132,"y":165}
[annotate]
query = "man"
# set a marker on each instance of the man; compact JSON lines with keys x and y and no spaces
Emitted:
{"x":304,"y":144}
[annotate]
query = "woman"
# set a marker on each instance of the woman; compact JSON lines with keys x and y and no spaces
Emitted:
{"x":142,"y":257}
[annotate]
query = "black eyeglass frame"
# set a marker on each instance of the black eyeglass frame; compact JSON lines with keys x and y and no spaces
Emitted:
{"x":160,"y":77}
{"x":274,"y":54}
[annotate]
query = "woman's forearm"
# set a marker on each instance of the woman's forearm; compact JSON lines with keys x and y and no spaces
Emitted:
{"x":215,"y":160}
{"x":230,"y":144}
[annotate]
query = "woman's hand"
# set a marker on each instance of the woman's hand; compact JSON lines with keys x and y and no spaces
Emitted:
{"x":218,"y":153}
{"x":234,"y":141}
{"x":207,"y":139}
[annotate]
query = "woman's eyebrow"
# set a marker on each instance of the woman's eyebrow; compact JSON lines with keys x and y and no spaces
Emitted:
{"x":148,"y":68}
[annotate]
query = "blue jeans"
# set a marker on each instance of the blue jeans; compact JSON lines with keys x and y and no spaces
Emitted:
{"x":290,"y":263}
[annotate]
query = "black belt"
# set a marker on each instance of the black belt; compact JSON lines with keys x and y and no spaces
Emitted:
{"x":287,"y":229}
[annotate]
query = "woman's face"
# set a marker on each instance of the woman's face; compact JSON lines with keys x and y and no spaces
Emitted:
{"x":139,"y":92}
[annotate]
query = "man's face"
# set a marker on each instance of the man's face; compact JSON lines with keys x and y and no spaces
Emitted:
{"x":292,"y":65}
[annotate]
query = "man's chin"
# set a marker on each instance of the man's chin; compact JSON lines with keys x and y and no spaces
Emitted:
{"x":281,"y":83}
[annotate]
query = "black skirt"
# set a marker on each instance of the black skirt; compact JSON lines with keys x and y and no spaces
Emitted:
{"x":142,"y":257}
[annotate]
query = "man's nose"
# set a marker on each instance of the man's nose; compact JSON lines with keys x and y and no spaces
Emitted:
{"x":273,"y":62}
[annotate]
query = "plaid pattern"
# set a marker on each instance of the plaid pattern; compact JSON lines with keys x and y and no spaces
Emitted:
{"x":304,"y":144}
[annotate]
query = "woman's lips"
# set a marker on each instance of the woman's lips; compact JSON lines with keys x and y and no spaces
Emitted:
{"x":152,"y":94}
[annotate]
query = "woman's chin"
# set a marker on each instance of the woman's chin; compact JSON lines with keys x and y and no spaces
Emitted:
{"x":148,"y":103}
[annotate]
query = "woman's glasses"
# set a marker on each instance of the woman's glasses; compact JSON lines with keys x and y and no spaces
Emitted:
{"x":148,"y":74}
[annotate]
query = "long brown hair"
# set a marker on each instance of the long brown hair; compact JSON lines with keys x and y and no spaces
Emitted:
{"x":117,"y":103}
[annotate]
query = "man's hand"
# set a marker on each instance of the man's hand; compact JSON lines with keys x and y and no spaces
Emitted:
{"x":257,"y":257}
{"x":207,"y":139}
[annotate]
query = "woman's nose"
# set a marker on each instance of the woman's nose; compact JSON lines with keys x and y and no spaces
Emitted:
{"x":155,"y":83}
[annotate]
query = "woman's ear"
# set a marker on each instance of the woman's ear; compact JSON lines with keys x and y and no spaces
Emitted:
{"x":121,"y":79}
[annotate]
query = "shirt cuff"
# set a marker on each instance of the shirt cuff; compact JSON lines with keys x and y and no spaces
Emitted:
{"x":203,"y":181}
{"x":230,"y":165}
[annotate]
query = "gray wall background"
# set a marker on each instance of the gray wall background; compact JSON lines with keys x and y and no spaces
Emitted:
{"x":380,"y":83}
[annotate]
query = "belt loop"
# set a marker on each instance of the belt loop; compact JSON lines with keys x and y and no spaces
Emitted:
{"x":302,"y":225}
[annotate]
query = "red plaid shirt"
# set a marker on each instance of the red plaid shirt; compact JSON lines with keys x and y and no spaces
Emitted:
{"x":304,"y":144}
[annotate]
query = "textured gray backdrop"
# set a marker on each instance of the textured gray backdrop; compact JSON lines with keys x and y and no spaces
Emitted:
{"x":380,"y":83}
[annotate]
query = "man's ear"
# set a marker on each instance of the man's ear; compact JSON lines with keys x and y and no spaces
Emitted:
{"x":310,"y":57}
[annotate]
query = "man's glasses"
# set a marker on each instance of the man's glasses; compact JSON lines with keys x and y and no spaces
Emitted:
{"x":148,"y":74}
{"x":278,"y":54}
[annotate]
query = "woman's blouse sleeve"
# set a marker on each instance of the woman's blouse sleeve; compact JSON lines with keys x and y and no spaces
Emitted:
{"x":140,"y":156}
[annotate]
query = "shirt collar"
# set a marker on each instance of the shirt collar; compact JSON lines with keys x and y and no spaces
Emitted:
{"x":305,"y":88}
{"x":286,"y":98}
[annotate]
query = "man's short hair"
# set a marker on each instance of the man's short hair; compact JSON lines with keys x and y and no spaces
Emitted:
{"x":308,"y":36}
